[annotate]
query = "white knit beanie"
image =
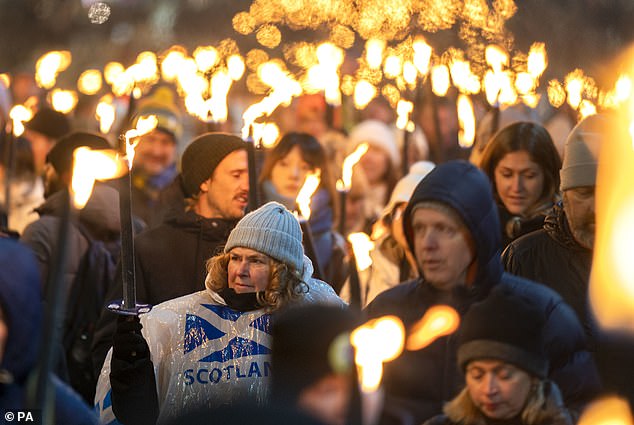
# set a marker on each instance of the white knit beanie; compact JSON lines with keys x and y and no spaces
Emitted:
{"x":271,"y":230}
{"x":405,"y":187}
{"x":375,"y":133}
{"x":581,"y":153}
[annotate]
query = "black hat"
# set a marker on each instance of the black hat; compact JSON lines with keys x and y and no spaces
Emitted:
{"x":506,"y":327}
{"x":49,"y":122}
{"x":309,"y":343}
{"x":61,"y":155}
{"x":203,"y":155}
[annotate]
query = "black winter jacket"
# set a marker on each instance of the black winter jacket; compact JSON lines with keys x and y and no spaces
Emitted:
{"x":421,"y":381}
{"x":169,"y":263}
{"x":551,"y":256}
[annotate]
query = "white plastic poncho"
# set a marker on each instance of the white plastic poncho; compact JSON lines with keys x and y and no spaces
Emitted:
{"x":205,"y":353}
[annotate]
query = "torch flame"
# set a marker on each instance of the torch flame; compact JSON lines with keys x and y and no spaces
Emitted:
{"x":361,"y":246}
{"x":220,"y":84}
{"x":90,"y":165}
{"x":403,"y":109}
{"x":496,"y":57}
{"x":422,"y":55}
{"x":308,"y":188}
{"x":90,"y":82}
{"x":49,"y":66}
{"x":439,"y":320}
{"x":132,"y":137}
{"x":349,"y":162}
{"x":612,"y":278}
{"x":440,"y":80}
{"x":284,"y":88}
{"x":374,"y":52}
{"x":607,"y":411}
{"x":466,"y":118}
{"x":105,"y":113}
{"x":63,"y":101}
{"x":19,"y":114}
{"x":537,"y":60}
{"x":376,"y":342}
{"x":206,"y":58}
{"x":364,"y":92}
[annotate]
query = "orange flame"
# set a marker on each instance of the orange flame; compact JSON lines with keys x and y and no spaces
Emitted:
{"x":90,"y":165}
{"x":376,"y":342}
{"x":132,"y":137}
{"x":348,"y":163}
{"x":439,"y":320}
{"x":612,"y":277}
{"x":361,"y":246}
{"x":466,"y":118}
{"x":308,"y":188}
{"x":607,"y":411}
{"x":19,"y":114}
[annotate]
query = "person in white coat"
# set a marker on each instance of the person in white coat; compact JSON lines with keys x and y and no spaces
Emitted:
{"x":212,"y":348}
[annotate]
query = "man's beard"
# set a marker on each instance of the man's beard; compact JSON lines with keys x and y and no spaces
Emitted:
{"x":584,"y":235}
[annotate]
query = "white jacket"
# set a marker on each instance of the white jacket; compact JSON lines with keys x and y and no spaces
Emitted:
{"x":205,"y":353}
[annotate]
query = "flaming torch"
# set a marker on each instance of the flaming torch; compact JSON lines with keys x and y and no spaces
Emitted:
{"x":376,"y":342}
{"x":439,"y":320}
{"x":607,"y":411}
{"x":360,"y":261}
{"x":612,"y":278}
{"x":128,"y":305}
{"x":466,"y":118}
{"x":303,"y":205}
{"x":88,"y":166}
{"x":343,"y":184}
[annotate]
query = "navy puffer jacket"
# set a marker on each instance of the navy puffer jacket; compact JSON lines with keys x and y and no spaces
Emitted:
{"x":420,"y":382}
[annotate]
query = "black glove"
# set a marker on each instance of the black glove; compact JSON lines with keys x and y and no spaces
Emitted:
{"x":128,"y":342}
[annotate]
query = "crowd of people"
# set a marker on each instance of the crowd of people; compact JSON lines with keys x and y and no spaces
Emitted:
{"x":251,"y":318}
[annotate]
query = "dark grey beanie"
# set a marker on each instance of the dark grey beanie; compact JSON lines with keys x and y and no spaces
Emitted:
{"x":203,"y":155}
{"x":506,"y":327}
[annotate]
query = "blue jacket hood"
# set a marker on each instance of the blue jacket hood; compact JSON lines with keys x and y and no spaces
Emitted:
{"x":21,"y":305}
{"x":467,"y":190}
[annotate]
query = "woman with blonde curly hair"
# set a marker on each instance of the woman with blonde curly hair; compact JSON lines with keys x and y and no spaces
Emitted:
{"x":212,"y":348}
{"x":501,"y":352}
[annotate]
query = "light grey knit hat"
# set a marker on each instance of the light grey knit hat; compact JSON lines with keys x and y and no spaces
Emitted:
{"x":581,"y":153}
{"x":271,"y":230}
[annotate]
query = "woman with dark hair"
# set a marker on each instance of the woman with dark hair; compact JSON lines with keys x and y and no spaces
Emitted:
{"x":283,"y":174}
{"x":523,"y":165}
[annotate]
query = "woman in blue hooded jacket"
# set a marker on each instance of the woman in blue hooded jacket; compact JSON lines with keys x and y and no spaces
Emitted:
{"x":20,"y":333}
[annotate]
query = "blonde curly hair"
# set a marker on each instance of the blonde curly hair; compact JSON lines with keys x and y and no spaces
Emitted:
{"x":285,"y":283}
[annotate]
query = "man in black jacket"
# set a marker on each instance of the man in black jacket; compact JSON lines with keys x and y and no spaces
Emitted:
{"x":560,"y":254}
{"x":452,"y":227}
{"x":170,"y":258}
